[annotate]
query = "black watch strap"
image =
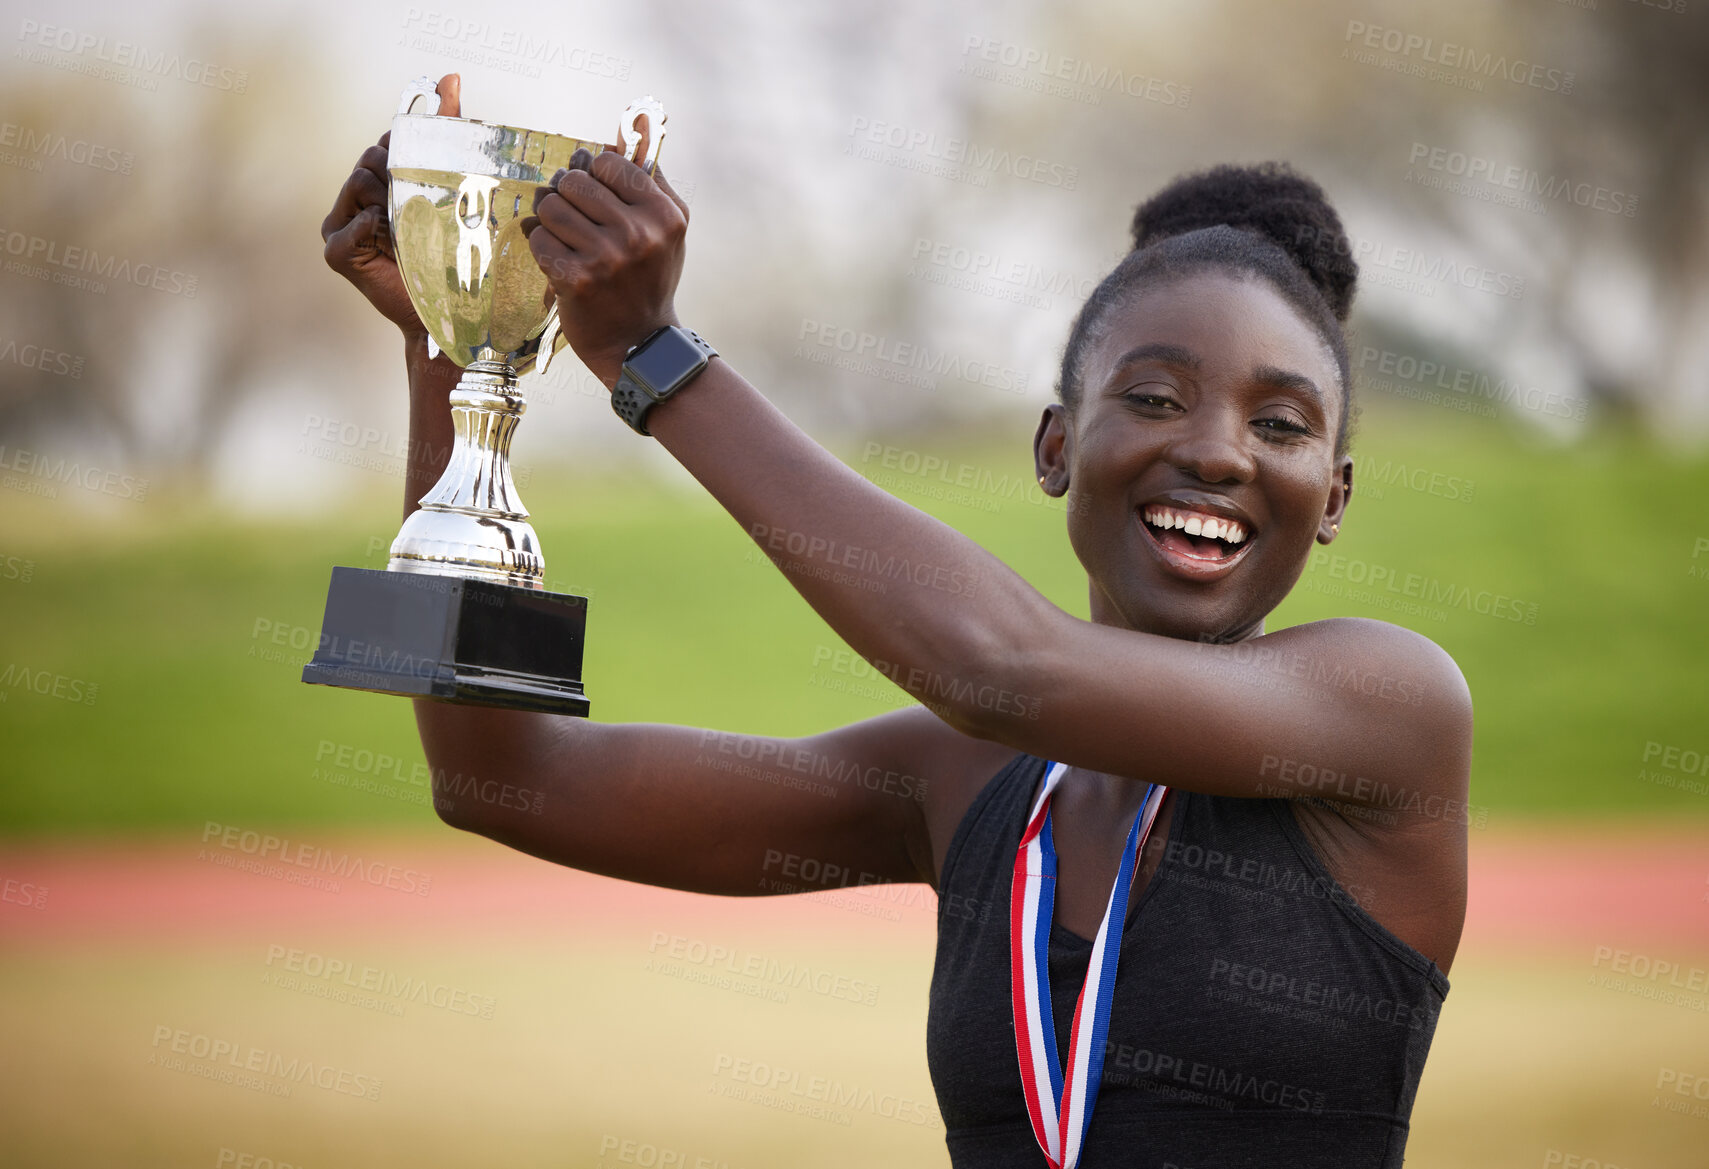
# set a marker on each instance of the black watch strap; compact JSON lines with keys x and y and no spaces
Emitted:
{"x":658,"y":367}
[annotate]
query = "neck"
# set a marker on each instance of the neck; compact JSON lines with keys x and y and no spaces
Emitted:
{"x":1105,"y":612}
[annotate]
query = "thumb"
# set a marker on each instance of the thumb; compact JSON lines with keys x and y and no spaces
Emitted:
{"x":450,"y":90}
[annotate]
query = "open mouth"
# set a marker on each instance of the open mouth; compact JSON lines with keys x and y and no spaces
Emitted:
{"x":1197,"y":544}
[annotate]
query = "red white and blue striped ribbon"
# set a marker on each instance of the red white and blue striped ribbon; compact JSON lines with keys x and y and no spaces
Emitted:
{"x":1061,"y":1113}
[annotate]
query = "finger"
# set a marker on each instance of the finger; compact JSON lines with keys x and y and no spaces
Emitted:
{"x":542,"y":191}
{"x":568,"y":223}
{"x":354,"y":238}
{"x":665,"y":186}
{"x":385,"y":140}
{"x":643,"y":135}
{"x":556,"y":261}
{"x":623,"y":178}
{"x":364,"y":188}
{"x":450,"y":90}
{"x":589,"y":196}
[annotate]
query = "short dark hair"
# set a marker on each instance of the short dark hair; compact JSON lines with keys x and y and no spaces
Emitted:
{"x":1266,"y":220}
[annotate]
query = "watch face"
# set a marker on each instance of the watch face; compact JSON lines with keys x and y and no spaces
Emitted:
{"x":668,"y":358}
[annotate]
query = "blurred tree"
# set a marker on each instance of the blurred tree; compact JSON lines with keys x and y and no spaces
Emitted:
{"x":211,"y":187}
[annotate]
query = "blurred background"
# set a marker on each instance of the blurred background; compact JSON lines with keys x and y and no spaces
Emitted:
{"x":896,"y":211}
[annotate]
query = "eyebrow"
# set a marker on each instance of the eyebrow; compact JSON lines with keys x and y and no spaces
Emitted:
{"x":1283,"y":379}
{"x":1158,"y":351}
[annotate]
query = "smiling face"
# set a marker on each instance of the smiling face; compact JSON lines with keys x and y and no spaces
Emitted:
{"x":1207,"y":400}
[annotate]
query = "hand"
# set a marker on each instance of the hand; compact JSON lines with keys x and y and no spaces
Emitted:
{"x":609,"y":238}
{"x":358,"y":233}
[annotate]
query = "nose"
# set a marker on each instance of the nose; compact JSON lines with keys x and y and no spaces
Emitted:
{"x":1214,"y":447}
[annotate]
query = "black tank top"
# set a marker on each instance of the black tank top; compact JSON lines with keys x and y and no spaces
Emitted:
{"x":1261,"y":1017}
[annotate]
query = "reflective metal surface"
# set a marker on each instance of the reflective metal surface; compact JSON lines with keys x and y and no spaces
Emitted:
{"x":459,"y":191}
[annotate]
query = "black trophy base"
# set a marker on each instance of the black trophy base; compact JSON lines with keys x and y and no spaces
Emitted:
{"x":452,"y":638}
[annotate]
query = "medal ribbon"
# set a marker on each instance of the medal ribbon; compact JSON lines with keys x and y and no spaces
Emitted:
{"x":1061,"y":1114}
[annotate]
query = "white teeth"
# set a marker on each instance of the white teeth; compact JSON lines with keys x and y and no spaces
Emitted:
{"x":1194,"y":524}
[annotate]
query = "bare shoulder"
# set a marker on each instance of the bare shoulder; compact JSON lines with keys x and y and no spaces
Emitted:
{"x":1378,"y":659}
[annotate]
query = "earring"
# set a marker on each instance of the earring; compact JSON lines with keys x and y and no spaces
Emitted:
{"x":1335,"y":527}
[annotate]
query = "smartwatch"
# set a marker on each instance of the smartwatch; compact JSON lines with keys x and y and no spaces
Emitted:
{"x":655,"y":369}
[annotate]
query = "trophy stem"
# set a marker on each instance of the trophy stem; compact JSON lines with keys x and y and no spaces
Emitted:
{"x":471,"y":524}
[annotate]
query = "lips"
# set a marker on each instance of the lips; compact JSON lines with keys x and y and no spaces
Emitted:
{"x":1198,"y":541}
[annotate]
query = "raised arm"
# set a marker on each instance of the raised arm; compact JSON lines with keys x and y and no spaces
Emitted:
{"x":956,"y":628}
{"x":674,"y":806}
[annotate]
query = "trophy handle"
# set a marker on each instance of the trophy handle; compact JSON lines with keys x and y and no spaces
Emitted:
{"x":416,"y":90}
{"x":652,"y":139}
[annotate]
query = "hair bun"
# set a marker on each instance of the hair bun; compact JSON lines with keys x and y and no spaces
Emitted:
{"x":1269,"y":199}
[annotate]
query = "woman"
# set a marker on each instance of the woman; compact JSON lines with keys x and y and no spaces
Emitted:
{"x":1262,"y":978}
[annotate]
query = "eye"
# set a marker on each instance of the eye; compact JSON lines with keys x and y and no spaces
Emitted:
{"x":1152,"y":394}
{"x":1283,"y":425}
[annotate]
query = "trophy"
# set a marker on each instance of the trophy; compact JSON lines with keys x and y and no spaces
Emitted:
{"x":460,"y":612}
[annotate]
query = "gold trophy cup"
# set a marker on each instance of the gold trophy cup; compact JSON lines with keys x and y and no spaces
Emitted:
{"x":460,"y":612}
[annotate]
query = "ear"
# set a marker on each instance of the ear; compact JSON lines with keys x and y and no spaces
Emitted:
{"x":1340,"y":493}
{"x":1050,"y":451}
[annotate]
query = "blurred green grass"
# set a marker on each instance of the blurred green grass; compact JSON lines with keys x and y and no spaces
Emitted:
{"x":172,"y":610}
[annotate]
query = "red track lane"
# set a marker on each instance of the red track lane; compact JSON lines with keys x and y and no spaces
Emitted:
{"x":1535,"y":890}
